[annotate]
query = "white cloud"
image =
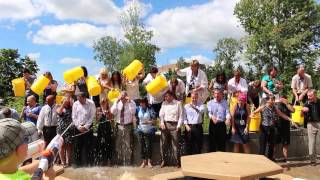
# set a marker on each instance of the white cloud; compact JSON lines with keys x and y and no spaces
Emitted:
{"x":202,"y":59}
{"x":97,"y":11}
{"x":144,"y":9}
{"x":74,"y":61}
{"x":197,"y":25}
{"x":18,"y":9}
{"x":34,"y":22}
{"x":34,"y":56}
{"x":78,"y":33}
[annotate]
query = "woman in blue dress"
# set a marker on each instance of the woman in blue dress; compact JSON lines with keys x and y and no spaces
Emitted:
{"x":240,"y":124}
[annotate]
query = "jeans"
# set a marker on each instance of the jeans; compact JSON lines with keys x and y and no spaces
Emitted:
{"x":146,"y":145}
{"x":267,"y":140}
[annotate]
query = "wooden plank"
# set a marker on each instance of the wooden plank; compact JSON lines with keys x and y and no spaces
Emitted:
{"x":58,"y":169}
{"x":281,"y":177}
{"x":228,"y":166}
{"x":169,"y":175}
{"x":61,"y":178}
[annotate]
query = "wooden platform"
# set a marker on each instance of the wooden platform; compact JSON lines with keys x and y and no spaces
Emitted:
{"x":281,"y":177}
{"x":228,"y":166}
{"x":169,"y":175}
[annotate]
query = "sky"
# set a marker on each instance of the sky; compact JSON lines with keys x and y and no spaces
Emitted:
{"x":58,"y":34}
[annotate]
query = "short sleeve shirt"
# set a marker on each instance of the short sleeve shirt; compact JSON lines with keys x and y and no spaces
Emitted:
{"x":270,"y":84}
{"x":300,"y":84}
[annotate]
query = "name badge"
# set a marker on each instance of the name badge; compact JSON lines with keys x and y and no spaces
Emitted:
{"x":242,"y":122}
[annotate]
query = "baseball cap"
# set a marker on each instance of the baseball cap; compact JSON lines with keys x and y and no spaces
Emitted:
{"x":12,"y":135}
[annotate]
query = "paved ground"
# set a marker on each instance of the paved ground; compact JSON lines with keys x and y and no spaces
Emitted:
{"x":298,"y":169}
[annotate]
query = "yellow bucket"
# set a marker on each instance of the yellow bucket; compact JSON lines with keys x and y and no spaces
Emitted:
{"x":40,"y":84}
{"x":18,"y":86}
{"x":59,"y":99}
{"x":113,"y":95}
{"x":297,"y":116}
{"x":255,"y":122}
{"x":133,"y":69}
{"x":233,"y":102}
{"x":73,"y":75}
{"x":187,"y":100}
{"x":93,"y":85}
{"x":156,"y":85}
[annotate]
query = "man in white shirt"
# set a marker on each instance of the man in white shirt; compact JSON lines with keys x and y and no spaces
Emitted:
{"x":171,"y":117}
{"x":48,"y":120}
{"x":301,"y":83}
{"x":124,"y":111}
{"x":83,"y":112}
{"x":237,"y":84}
{"x":197,"y":80}
{"x":193,"y":120}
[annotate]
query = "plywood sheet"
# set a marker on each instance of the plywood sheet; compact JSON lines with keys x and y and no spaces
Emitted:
{"x":169,"y":175}
{"x":228,"y":166}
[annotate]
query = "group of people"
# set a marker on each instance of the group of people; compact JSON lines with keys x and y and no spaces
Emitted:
{"x":118,"y":120}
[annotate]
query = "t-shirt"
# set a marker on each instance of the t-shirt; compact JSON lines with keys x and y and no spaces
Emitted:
{"x":270,"y":84}
{"x":283,"y":108}
{"x":18,"y":175}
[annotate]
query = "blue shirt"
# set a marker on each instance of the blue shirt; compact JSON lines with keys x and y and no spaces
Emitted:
{"x":35,"y":110}
{"x":219,"y":110}
{"x":193,"y":115}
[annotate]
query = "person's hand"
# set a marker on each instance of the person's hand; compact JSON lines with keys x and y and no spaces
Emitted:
{"x":188,"y":128}
{"x":82,"y":129}
{"x":245,"y":131}
{"x":305,"y":109}
{"x":162,"y":126}
{"x":228,"y":122}
{"x":40,"y":133}
{"x":29,"y":114}
{"x":297,"y":97}
{"x":50,"y":174}
{"x":233,"y":131}
{"x":301,"y":97}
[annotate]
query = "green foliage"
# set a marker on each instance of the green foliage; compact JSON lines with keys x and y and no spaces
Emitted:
{"x":116,"y":55}
{"x":11,"y":67}
{"x":283,"y":33}
{"x":16,"y":103}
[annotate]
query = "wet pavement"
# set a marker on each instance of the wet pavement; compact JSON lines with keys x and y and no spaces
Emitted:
{"x":297,"y":169}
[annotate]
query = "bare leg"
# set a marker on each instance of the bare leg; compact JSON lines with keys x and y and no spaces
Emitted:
{"x":149,"y":163}
{"x":62,"y":154}
{"x":285,"y":151}
{"x":246,"y":148}
{"x":68,"y":156}
{"x":236,"y":148}
{"x":143,"y":164}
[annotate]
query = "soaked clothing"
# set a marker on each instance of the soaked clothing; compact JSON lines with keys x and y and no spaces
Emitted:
{"x":240,"y":122}
{"x":104,"y":142}
{"x":283,"y":126}
{"x":64,"y":120}
{"x":268,"y":132}
{"x":124,"y":144}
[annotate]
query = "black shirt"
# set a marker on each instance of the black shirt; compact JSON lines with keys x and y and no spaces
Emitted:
{"x":314,"y":111}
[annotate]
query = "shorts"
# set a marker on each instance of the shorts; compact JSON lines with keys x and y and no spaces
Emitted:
{"x":283,"y":133}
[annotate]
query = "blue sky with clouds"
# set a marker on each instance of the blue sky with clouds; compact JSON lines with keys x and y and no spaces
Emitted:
{"x":58,"y":33}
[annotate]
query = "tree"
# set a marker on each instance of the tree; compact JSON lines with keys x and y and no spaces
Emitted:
{"x":137,"y":43}
{"x":226,"y":55}
{"x":282,"y":33}
{"x":11,"y":67}
{"x":107,"y":50}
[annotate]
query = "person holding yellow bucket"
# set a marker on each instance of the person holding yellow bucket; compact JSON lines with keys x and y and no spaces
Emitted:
{"x":154,"y":101}
{"x":80,"y":84}
{"x":29,"y":79}
{"x":132,"y":87}
{"x":51,"y":89}
{"x":312,"y":117}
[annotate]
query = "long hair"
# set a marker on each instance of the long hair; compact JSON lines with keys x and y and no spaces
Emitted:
{"x":119,"y":81}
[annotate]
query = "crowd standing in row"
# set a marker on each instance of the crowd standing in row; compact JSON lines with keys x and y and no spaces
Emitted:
{"x":131,"y":113}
